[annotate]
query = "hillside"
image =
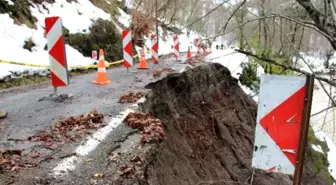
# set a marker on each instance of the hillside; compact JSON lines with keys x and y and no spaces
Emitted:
{"x":88,"y":25}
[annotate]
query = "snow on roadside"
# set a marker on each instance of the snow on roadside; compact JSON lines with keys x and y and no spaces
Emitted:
{"x":230,"y":59}
{"x":76,"y":16}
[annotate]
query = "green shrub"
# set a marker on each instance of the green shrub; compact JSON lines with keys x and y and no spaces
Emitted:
{"x":249,"y":76}
{"x":29,"y":44}
{"x":103,"y":35}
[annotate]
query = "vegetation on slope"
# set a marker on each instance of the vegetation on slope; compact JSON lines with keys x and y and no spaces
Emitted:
{"x":20,"y":12}
{"x":103,"y":34}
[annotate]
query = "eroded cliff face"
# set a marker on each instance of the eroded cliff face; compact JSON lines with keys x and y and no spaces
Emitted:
{"x":209,"y":123}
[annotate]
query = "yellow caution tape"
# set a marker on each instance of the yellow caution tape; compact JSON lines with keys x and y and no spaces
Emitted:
{"x":23,"y":64}
{"x":85,"y":66}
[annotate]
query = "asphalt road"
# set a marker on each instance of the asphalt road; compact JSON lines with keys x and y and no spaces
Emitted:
{"x":28,"y":116}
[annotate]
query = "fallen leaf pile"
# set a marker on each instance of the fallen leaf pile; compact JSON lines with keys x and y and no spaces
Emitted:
{"x":11,"y":160}
{"x":151,"y":128}
{"x":71,"y":129}
{"x":131,"y":97}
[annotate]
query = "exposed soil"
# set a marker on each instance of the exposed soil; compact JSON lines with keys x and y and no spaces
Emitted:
{"x":209,"y":128}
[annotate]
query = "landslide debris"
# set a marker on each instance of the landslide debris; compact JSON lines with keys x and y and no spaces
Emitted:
{"x":209,"y":125}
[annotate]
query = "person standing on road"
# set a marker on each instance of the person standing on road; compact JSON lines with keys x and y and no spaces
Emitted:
{"x":217,"y":46}
{"x":222,"y":47}
{"x":3,"y":114}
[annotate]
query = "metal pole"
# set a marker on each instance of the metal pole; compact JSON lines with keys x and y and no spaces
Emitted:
{"x":304,"y":130}
{"x":55,"y":91}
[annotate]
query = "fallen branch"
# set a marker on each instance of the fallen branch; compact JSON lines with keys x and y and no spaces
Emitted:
{"x":317,"y":113}
{"x":285,"y":66}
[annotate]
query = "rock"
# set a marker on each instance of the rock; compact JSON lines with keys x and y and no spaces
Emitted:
{"x":3,"y":114}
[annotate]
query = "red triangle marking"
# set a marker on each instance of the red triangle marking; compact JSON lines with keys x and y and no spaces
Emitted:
{"x":128,"y":48}
{"x":283,"y":123}
{"x":58,"y":52}
{"x":124,"y":33}
{"x":126,"y":64}
{"x":155,"y":47}
{"x":49,"y":23}
{"x":55,"y":81}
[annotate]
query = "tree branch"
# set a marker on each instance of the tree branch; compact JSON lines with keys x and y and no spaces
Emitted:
{"x":205,"y":14}
{"x":285,"y":66}
{"x":306,"y":24}
{"x":319,"y":19}
{"x":234,"y":12}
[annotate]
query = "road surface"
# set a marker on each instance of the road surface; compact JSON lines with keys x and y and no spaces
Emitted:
{"x":28,"y":116}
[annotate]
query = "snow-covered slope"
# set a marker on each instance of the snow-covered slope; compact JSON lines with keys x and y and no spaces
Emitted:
{"x":76,"y":16}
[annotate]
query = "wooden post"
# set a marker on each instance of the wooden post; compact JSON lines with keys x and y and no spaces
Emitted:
{"x":304,"y":130}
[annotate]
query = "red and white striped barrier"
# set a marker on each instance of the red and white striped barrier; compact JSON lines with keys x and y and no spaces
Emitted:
{"x":56,"y":48}
{"x":279,"y":122}
{"x":127,"y":48}
{"x":155,"y":48}
{"x":197,"y":43}
{"x":176,"y":47}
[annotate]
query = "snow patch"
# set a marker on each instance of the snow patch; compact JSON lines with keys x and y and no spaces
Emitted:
{"x":317,"y":148}
{"x":124,"y":18}
{"x":9,"y":2}
{"x":77,"y":17}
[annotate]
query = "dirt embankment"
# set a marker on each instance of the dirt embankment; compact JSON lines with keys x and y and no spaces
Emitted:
{"x":209,"y":126}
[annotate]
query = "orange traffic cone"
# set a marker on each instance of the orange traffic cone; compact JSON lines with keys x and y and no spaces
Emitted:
{"x":189,"y":54}
{"x":143,"y":62}
{"x":101,"y":77}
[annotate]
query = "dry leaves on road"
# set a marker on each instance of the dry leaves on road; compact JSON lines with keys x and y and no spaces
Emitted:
{"x":131,"y":97}
{"x":151,"y":128}
{"x":72,"y":129}
{"x":12,"y":160}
